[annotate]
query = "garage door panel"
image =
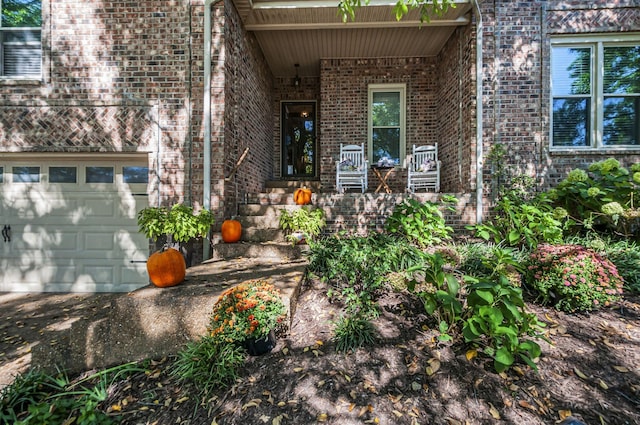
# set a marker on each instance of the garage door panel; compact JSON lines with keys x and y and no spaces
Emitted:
{"x":73,"y":237}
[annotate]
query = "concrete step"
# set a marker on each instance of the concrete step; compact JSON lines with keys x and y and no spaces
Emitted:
{"x":276,"y":250}
{"x":245,"y":210}
{"x":289,"y":186}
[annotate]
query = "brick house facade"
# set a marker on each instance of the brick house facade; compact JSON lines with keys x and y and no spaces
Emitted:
{"x":122,"y":79}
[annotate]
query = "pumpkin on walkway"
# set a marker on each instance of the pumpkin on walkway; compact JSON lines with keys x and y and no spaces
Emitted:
{"x":231,"y":231}
{"x":166,"y":268}
{"x":302,"y":196}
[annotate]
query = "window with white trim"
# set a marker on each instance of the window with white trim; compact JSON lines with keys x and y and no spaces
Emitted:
{"x":20,"y":39}
{"x":595,"y":87}
{"x":387,"y":124}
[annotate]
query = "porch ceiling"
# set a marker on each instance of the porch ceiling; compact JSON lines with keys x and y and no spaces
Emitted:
{"x":304,"y":31}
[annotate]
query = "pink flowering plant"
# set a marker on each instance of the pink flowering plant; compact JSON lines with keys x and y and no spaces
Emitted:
{"x":573,"y":278}
{"x":249,"y":310}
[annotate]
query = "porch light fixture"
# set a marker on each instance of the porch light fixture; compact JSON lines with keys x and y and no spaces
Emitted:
{"x":297,"y":80}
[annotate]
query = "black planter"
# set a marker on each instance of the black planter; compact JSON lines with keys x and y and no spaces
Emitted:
{"x":261,"y":345}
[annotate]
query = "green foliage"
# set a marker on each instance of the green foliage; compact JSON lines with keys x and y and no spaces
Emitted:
{"x":625,"y":254}
{"x":209,"y":364}
{"x":484,"y":260}
{"x":352,"y":332}
{"x":248,"y":310}
{"x":307,"y":220}
{"x":573,"y":278}
{"x":428,"y":8}
{"x":489,"y":311}
{"x":601,"y":199}
{"x":357,"y":266}
{"x":38,"y":398}
{"x":522,"y":224}
{"x":422,"y":223}
{"x":179,"y":223}
{"x":439,"y":291}
{"x":21,"y":13}
{"x":496,"y":318}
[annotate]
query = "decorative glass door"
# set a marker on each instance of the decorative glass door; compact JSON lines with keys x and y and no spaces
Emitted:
{"x":298,"y":139}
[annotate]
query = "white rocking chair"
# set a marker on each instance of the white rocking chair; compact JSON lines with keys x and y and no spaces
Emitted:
{"x":352,"y":168}
{"x":423,"y":171}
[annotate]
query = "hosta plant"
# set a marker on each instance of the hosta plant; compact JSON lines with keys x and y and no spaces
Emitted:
{"x":573,"y":278}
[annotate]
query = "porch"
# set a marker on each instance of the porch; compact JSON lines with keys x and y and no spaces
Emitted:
{"x":353,"y":212}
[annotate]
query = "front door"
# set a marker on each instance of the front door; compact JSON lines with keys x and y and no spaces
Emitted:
{"x":298,"y":139}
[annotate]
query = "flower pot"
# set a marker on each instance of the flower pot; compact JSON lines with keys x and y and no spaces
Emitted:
{"x":260,"y":345}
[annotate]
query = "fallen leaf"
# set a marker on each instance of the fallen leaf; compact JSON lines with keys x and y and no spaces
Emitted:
{"x":494,"y":412}
{"x":277,"y":420}
{"x":322,"y":417}
{"x":398,"y":414}
{"x":471,"y":354}
{"x":603,"y":385}
{"x":264,"y":418}
{"x":319,"y":343}
{"x":416,"y":386}
{"x":564,"y":414}
{"x":298,"y":369}
{"x":621,"y":369}
{"x":527,"y":405}
{"x":579,"y":373}
{"x":434,"y":366}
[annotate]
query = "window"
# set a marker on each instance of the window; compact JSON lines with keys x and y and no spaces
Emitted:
{"x":387,"y":123}
{"x":26,"y":174}
{"x":20,"y":38}
{"x":595,"y":93}
{"x":63,"y":174}
{"x":134,"y":174}
{"x":99,"y":174}
{"x":1,"y":174}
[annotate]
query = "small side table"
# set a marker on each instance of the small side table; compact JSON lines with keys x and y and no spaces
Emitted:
{"x":382,"y":178}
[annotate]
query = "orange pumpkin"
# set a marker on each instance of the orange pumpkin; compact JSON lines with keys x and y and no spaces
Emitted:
{"x":302,"y":196}
{"x":166,"y":268}
{"x":231,"y":231}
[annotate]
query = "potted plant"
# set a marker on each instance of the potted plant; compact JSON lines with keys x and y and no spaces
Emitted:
{"x":248,"y":314}
{"x":302,"y":223}
{"x":178,"y":224}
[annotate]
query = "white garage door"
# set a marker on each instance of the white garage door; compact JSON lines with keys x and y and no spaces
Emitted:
{"x":69,"y":224}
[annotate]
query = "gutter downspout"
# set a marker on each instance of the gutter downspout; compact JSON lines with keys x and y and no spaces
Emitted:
{"x":479,"y":118}
{"x":206,"y":119}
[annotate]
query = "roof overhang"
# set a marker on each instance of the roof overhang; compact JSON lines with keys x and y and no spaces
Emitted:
{"x":304,"y":31}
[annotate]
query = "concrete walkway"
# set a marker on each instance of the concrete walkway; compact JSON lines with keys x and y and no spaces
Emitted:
{"x":78,"y":332}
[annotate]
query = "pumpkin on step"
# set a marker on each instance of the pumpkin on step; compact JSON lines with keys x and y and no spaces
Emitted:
{"x":231,"y":231}
{"x":166,"y":268}
{"x":302,"y":196}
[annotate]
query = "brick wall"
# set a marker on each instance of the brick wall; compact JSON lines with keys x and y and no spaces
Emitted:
{"x":114,"y":80}
{"x":516,"y":52}
{"x":343,"y":107}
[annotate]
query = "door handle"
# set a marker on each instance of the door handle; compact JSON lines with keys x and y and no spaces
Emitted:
{"x":6,"y":233}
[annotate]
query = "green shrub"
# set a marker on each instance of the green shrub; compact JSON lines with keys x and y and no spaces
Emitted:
{"x":497,"y":320}
{"x":522,"y":224}
{"x":625,"y":254}
{"x":357,"y":266}
{"x":209,"y":364}
{"x":601,"y":199}
{"x":485,"y":260}
{"x":352,"y":332}
{"x":573,"y":278}
{"x":488,"y":312}
{"x":421,"y":223}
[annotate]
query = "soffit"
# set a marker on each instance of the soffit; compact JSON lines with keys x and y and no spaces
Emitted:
{"x":305,"y":31}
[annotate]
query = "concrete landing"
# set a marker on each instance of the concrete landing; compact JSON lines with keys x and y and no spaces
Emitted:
{"x":153,"y":322}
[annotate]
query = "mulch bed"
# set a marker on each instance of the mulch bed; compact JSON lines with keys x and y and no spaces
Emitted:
{"x":591,"y":370}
